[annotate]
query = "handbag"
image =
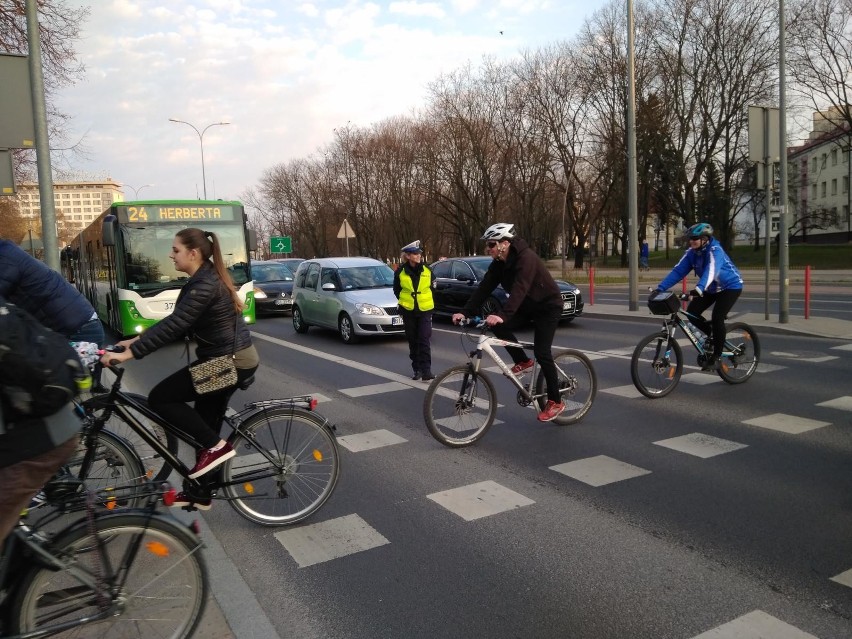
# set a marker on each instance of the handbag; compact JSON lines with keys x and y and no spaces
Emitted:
{"x":213,"y":374}
{"x":216,"y":373}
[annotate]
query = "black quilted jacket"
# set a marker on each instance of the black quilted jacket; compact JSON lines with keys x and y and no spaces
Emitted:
{"x":204,"y":311}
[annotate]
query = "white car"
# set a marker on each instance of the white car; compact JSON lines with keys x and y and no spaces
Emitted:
{"x":352,"y":295}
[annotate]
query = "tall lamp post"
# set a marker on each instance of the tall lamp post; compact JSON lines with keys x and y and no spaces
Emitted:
{"x":201,"y":141}
{"x":135,"y":190}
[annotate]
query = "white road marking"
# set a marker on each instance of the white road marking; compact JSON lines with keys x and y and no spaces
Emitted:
{"x":786,"y":423}
{"x":600,"y":470}
{"x":370,"y":440}
{"x":755,"y":625}
{"x":332,"y":539}
{"x":480,"y":500}
{"x":700,"y":445}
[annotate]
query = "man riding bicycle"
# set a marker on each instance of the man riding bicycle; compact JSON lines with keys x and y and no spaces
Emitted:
{"x":719,"y":283}
{"x":533,"y":295}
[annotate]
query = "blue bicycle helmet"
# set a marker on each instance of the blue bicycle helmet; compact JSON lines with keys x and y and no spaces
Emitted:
{"x":702,"y":229}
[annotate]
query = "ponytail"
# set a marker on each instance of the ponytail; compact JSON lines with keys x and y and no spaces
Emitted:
{"x":208,"y":244}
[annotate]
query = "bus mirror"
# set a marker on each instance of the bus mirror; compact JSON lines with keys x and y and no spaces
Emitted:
{"x":108,"y":231}
{"x":252,"y":239}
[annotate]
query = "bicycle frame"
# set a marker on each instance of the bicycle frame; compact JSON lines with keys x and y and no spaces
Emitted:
{"x":118,"y":402}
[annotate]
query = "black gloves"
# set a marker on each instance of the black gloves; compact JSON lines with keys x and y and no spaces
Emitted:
{"x":695,"y":293}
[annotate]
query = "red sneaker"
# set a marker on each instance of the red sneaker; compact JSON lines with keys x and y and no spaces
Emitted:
{"x":551,"y":411}
{"x":182,"y":500}
{"x":208,"y":459}
{"x":520,"y":368}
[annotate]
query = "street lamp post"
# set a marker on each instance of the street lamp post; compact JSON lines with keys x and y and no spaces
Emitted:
{"x":201,"y":141}
{"x":135,"y":190}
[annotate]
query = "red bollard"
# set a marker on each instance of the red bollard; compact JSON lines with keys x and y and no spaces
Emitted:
{"x":807,"y":292}
{"x":591,"y":286}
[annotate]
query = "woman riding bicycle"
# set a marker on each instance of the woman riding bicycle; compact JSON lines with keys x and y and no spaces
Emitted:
{"x":719,"y":283}
{"x":209,"y":310}
{"x":533,"y":295}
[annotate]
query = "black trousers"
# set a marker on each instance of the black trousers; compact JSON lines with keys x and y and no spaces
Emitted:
{"x":546,"y":317}
{"x":169,"y":398}
{"x":722,"y":303}
{"x":418,"y":332}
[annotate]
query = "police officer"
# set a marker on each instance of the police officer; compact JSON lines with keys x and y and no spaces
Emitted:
{"x":412,"y":285}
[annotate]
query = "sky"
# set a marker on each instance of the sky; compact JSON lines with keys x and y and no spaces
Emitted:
{"x":283,"y":73}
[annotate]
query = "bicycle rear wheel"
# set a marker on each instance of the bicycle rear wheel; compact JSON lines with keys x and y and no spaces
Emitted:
{"x":578,"y":385}
{"x":153,"y":464}
{"x":286,"y":468}
{"x":160,"y":591}
{"x":741,"y":355}
{"x":459,"y":406}
{"x":656,"y":365}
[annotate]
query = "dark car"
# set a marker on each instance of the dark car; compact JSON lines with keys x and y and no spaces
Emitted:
{"x":456,"y":279}
{"x":290,"y":262}
{"x":273,"y":287}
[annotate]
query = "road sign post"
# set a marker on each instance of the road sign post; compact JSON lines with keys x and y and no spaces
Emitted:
{"x":281,"y":244}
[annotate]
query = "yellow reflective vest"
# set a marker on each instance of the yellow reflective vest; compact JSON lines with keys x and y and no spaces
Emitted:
{"x":424,"y":290}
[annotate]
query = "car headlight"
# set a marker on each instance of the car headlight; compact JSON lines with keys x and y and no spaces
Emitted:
{"x":259,"y":294}
{"x":369,"y":309}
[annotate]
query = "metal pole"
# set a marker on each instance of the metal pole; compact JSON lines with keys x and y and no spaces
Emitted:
{"x":632,"y":213}
{"x":45,"y":176}
{"x":767,"y":174}
{"x":564,"y":244}
{"x":201,"y":142}
{"x":783,"y":243}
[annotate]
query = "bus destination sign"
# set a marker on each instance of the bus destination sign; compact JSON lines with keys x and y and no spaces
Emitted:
{"x":152,"y":214}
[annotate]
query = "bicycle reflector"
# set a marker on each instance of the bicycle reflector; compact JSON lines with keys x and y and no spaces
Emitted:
{"x":158,"y":548}
{"x":312,"y":404}
{"x":169,"y":497}
{"x":317,"y":455}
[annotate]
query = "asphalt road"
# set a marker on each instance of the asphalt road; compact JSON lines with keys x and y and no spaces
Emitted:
{"x":719,"y":509}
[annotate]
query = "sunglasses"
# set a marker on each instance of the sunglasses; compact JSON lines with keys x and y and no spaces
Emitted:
{"x":491,"y":244}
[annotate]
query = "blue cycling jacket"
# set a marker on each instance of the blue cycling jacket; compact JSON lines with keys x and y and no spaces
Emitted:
{"x":715,"y":270}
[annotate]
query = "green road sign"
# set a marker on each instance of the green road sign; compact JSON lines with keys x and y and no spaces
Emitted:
{"x":280,"y":245}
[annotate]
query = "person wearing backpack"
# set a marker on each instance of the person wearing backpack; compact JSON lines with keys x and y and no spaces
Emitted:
{"x":46,"y":295}
{"x":38,"y":426}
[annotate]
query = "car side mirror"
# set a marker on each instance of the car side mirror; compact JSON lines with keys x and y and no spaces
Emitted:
{"x":329,"y":286}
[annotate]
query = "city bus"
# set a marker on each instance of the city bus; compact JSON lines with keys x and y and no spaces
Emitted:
{"x":121,"y":263}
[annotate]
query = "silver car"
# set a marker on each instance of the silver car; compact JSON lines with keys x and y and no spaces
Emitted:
{"x":353,"y":295}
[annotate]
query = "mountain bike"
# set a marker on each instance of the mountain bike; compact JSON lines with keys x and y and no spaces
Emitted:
{"x":287,"y":463}
{"x":461,"y":403}
{"x":657,"y":362}
{"x":131,"y":574}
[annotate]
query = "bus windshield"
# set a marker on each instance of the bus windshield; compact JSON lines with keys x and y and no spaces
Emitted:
{"x":149,"y":268}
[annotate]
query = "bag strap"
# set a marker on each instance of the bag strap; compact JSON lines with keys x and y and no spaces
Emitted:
{"x":233,"y":348}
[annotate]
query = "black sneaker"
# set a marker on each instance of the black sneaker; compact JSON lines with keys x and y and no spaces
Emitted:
{"x":427,"y":375}
{"x":711,"y":363}
{"x":416,"y":375}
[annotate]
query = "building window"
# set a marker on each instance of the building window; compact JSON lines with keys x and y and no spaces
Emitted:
{"x":846,"y":184}
{"x":814,"y":165}
{"x":833,"y":157}
{"x":822,"y":190}
{"x":824,"y":158}
{"x":834,"y":186}
{"x":813,"y":191}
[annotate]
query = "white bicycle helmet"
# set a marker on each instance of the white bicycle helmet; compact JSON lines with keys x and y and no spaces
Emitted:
{"x":499,"y":231}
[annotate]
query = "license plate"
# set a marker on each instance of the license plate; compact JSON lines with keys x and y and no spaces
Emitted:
{"x":280,"y":302}
{"x":396,"y":320}
{"x":567,"y":306}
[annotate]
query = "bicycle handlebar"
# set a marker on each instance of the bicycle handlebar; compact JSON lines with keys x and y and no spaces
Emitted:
{"x":683,"y":297}
{"x":476,"y":322}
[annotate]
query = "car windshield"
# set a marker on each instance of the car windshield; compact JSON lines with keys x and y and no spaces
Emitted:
{"x":271,"y":273}
{"x":364,"y":277}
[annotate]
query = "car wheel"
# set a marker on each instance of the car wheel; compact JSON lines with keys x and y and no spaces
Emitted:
{"x":567,"y":320}
{"x":347,"y":330}
{"x":298,"y":321}
{"x":490,"y":307}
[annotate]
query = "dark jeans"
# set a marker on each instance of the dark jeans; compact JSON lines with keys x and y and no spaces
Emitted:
{"x":91,"y":331}
{"x":546,"y":320}
{"x":418,"y":332}
{"x":169,"y":398}
{"x":722,"y":303}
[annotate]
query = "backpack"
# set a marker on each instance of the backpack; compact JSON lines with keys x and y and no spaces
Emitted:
{"x":38,"y":367}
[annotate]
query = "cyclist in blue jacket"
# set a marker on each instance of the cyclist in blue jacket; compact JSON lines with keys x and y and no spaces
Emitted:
{"x":719,"y":284}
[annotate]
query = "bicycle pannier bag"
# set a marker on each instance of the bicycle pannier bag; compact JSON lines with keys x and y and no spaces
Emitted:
{"x":663,"y":303}
{"x":214,"y":374}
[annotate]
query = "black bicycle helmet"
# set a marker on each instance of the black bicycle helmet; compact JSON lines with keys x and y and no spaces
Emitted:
{"x":702,"y":229}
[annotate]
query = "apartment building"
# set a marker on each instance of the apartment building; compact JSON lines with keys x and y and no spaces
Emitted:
{"x":76,"y":204}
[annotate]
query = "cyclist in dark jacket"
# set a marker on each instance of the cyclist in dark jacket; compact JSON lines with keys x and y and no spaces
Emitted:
{"x":209,"y":310}
{"x":47,"y":296}
{"x":533,"y":295}
{"x":719,"y":283}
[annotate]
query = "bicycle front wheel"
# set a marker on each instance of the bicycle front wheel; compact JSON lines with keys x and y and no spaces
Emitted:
{"x":145,"y":578}
{"x":578,"y":385}
{"x":459,"y":406}
{"x":741,"y":355}
{"x":286,"y":468}
{"x":153,"y":464}
{"x":656,"y":365}
{"x":109,"y":466}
